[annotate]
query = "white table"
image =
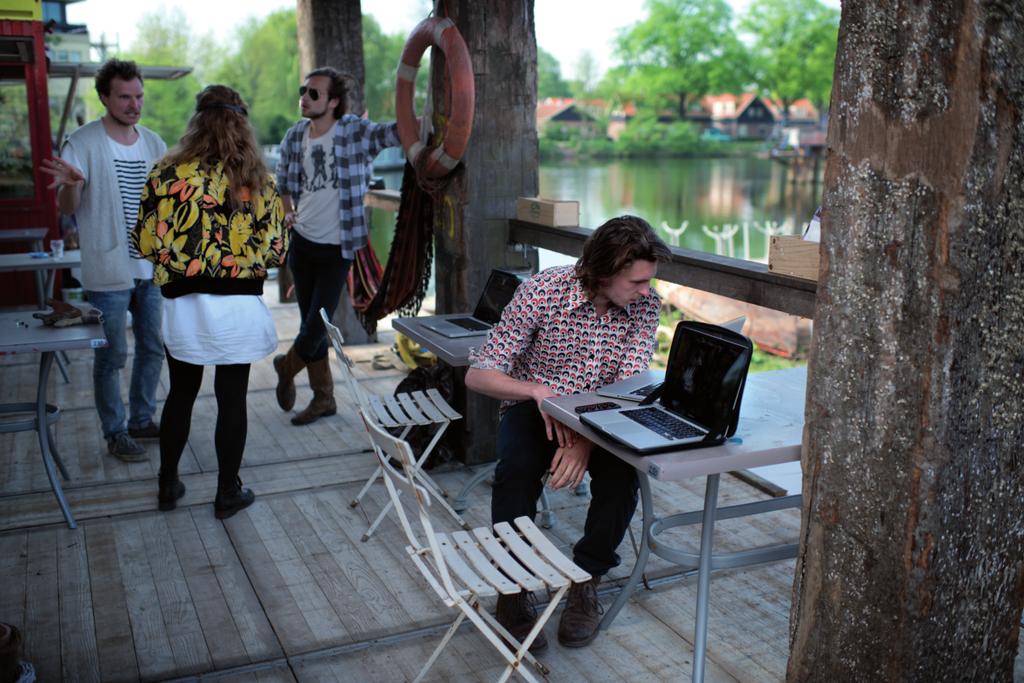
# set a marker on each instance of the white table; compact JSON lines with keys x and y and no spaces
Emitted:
{"x":34,"y":237}
{"x":454,"y":352}
{"x":21,"y":333}
{"x":770,"y":431}
{"x":45,"y":265}
{"x":45,"y":269}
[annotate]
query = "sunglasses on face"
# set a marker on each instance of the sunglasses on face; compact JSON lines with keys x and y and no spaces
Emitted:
{"x":314,"y":94}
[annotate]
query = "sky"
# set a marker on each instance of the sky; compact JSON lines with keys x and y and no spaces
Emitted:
{"x":565,"y":28}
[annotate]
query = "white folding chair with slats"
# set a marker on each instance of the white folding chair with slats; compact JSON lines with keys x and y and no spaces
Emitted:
{"x":403,"y":412}
{"x":465,"y":566}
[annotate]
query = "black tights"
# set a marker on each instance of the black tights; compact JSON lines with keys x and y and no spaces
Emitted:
{"x":230,"y":385}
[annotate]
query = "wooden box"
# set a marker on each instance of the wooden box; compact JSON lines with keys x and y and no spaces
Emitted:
{"x":547,"y":211}
{"x":792,"y":255}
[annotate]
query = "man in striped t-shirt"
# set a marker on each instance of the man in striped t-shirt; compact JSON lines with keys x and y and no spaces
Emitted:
{"x":100,"y":175}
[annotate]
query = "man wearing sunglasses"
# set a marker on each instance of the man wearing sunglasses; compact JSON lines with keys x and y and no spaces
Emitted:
{"x":322,"y":177}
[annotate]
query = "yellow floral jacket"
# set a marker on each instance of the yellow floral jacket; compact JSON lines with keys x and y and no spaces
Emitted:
{"x":199,"y":242}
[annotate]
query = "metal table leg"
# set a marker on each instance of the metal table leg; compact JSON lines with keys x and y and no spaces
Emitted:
{"x":45,"y":438}
{"x":647,"y":506}
{"x":707,"y":535}
{"x":44,"y":416}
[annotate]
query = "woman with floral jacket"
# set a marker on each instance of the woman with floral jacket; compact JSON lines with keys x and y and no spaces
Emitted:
{"x":212,"y":223}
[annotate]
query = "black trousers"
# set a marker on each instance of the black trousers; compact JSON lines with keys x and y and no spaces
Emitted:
{"x":319,"y":273}
{"x":230,"y":385}
{"x":525,"y":454}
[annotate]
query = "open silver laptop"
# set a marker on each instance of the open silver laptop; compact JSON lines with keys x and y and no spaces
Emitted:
{"x":500,"y":287}
{"x":700,"y":365}
{"x":640,"y":386}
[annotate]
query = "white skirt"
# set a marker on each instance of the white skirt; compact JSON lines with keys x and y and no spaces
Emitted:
{"x":216,"y":329}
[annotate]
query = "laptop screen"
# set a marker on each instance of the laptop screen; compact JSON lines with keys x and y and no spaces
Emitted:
{"x":702,"y":377}
{"x":498,"y":291}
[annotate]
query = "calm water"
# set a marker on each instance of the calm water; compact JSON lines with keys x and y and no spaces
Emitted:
{"x":720,"y":206}
{"x":711,"y":205}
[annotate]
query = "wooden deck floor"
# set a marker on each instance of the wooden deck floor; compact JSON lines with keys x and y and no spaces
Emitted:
{"x":286,"y":591}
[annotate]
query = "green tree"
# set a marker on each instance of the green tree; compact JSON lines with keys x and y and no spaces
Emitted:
{"x":381,"y":53}
{"x":683,"y":49}
{"x":165,"y":39}
{"x":585,"y":76}
{"x":794,"y":50}
{"x":549,"y":76}
{"x":264,"y":68}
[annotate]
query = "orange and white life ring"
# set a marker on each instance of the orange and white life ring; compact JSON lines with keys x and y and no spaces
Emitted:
{"x":460,"y":92}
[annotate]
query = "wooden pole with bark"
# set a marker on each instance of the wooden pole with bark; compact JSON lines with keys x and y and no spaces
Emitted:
{"x":911,"y":565}
{"x":500,"y":164}
{"x":331,"y":34}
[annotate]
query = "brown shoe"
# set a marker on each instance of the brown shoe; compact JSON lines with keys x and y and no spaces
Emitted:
{"x":323,"y":393}
{"x":518,"y":613}
{"x":287,"y":366}
{"x":582,"y":615}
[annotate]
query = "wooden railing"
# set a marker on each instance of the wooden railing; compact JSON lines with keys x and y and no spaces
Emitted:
{"x":730,"y":277}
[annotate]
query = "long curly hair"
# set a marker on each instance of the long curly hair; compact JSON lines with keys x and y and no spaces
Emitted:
{"x":219,"y":131}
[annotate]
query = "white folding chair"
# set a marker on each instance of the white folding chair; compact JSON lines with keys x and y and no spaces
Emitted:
{"x":403,"y":411}
{"x":465,"y":566}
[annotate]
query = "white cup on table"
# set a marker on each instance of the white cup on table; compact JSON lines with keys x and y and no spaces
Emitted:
{"x":57,"y":248}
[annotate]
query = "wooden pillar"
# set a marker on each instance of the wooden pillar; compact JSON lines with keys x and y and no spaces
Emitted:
{"x":910,"y":563}
{"x":331,"y":34}
{"x":500,"y":164}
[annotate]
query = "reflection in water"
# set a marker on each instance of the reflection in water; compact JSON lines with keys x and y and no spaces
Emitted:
{"x":714,"y":205}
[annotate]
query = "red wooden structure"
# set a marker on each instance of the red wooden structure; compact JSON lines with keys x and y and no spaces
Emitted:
{"x":25,"y":140}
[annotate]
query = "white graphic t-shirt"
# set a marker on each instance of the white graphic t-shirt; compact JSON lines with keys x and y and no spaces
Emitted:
{"x":317,"y":216}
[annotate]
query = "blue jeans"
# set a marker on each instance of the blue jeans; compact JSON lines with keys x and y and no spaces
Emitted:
{"x":320,"y":274}
{"x":146,"y":305}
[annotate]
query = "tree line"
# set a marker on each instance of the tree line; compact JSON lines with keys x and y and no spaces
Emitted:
{"x":679,"y":51}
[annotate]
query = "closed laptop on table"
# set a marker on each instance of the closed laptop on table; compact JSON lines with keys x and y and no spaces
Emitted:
{"x":499,"y":290}
{"x":698,"y":403}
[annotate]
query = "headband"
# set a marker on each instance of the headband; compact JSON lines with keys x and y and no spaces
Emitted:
{"x":223,"y":105}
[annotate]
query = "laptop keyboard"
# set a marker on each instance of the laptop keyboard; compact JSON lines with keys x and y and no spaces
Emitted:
{"x":470,"y":324}
{"x":645,"y":390}
{"x":662,"y":423}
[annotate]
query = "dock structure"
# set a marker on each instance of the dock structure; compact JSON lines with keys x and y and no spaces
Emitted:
{"x":285,"y":590}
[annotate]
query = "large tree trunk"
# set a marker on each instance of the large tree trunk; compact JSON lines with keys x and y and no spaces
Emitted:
{"x":471,"y":219}
{"x":911,"y":565}
{"x":331,"y":34}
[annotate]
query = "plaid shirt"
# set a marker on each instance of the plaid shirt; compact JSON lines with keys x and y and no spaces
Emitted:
{"x":550,"y":333}
{"x":356,"y":142}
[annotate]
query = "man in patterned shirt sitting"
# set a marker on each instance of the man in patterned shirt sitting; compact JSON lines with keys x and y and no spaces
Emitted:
{"x":570,"y":329}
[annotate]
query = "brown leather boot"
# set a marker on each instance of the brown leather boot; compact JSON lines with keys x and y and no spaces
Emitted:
{"x":582,"y":615}
{"x":322,"y":384}
{"x":287,"y":366}
{"x":518,"y":613}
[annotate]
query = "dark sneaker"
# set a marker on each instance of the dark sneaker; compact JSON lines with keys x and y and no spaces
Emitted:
{"x":582,"y":615}
{"x":124,"y":447}
{"x":518,"y":613}
{"x":169,"y":493}
{"x":230,"y":501}
{"x":150,"y":430}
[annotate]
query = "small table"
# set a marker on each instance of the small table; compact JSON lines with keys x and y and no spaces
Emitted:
{"x":770,"y":432}
{"x":11,"y":263}
{"x":34,"y":237}
{"x":45,"y":268}
{"x":454,"y":352}
{"x":21,"y":333}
